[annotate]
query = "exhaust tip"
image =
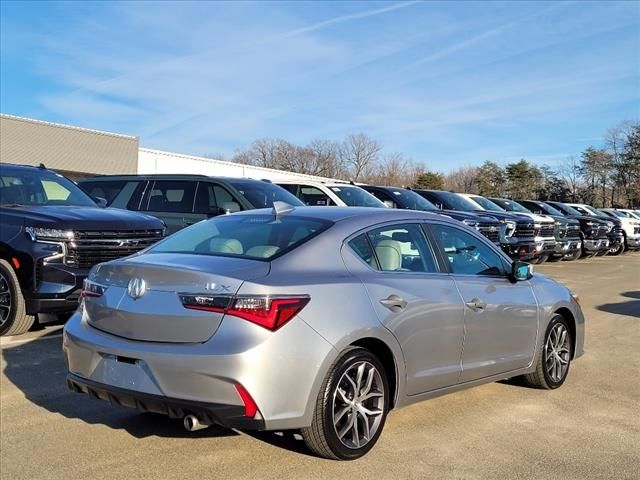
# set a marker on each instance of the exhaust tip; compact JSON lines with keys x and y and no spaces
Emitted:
{"x":192,"y":424}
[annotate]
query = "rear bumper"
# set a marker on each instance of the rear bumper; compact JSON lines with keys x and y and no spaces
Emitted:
{"x":229,"y":416}
{"x":281,"y":371}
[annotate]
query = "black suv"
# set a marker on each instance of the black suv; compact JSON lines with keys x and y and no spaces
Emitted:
{"x":395,"y":197}
{"x":568,"y":235}
{"x":597,"y":234}
{"x":518,"y":235}
{"x":182,"y":200}
{"x":51,"y":234}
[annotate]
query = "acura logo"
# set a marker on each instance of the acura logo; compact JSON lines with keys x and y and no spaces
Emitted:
{"x":136,"y":288}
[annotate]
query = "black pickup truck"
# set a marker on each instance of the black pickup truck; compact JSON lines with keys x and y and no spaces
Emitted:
{"x":51,"y":234}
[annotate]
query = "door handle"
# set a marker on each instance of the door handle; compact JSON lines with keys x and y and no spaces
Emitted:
{"x":394,"y":303}
{"x":476,"y":305}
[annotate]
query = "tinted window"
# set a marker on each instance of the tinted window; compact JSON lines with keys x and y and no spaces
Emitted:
{"x":487,"y":204}
{"x":170,"y":196}
{"x":313,"y":196}
{"x":243,"y":236}
{"x":107,"y":190}
{"x":362,"y":246}
{"x":399,"y":248}
{"x":214,"y":199}
{"x":263,"y":194}
{"x":40,"y":187}
{"x":356,"y":197}
{"x":467,"y":254}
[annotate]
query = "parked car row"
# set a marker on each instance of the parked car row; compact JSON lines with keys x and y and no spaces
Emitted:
{"x":53,"y":232}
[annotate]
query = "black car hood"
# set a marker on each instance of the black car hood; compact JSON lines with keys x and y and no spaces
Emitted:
{"x":586,"y":218}
{"x":83,"y":218}
{"x":458,"y":215}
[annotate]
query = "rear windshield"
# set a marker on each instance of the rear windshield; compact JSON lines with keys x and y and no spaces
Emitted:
{"x":259,"y":237}
{"x":357,"y":197}
{"x":263,"y":194}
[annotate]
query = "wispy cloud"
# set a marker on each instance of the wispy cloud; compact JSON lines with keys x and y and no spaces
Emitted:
{"x":348,"y":18}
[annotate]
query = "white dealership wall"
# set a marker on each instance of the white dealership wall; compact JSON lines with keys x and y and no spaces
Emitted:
{"x":157,"y":161}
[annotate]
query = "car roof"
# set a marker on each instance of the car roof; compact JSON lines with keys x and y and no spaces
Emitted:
{"x":26,"y":168}
{"x":337,"y":214}
{"x":169,"y":176}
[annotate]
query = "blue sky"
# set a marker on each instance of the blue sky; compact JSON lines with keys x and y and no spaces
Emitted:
{"x":445,"y":83}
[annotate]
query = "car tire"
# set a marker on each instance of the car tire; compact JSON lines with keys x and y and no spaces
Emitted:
{"x":554,"y":359}
{"x":354,"y":371}
{"x":13,"y":314}
{"x":542,"y":259}
{"x":614,"y":252}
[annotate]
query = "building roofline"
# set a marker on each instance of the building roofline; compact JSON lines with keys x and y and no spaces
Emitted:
{"x":67,"y":127}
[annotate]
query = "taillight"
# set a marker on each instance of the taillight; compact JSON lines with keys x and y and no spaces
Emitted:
{"x":270,"y":312}
{"x":92,"y":289}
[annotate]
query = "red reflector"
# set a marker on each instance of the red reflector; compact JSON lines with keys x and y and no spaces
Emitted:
{"x":250,"y":407}
{"x":16,"y":263}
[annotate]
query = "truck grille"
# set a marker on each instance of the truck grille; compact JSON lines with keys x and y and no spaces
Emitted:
{"x":525,"y":230}
{"x":602,"y":231}
{"x":89,"y":248}
{"x":546,"y":230}
{"x":490,"y":230}
{"x":573,"y":231}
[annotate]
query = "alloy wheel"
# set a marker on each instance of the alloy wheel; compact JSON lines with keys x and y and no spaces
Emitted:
{"x":557,"y":352}
{"x":358,"y":405}
{"x":5,"y":299}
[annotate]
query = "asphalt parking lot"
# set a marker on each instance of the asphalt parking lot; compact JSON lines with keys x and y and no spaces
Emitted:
{"x":590,"y":428}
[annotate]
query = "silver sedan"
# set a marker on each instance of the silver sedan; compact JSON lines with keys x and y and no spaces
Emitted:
{"x":318,"y":319}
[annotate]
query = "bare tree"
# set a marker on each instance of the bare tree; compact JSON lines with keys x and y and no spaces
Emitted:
{"x":360,"y":153}
{"x":463,"y":180}
{"x":569,"y":172}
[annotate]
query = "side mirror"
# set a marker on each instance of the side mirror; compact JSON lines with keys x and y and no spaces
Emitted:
{"x":101,"y":202}
{"x":521,"y":271}
{"x":225,"y":209}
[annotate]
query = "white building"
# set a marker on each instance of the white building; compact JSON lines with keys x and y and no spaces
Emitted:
{"x":80,"y":152}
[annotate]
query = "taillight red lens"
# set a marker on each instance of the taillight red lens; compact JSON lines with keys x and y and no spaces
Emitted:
{"x":92,"y":290}
{"x":268,"y":312}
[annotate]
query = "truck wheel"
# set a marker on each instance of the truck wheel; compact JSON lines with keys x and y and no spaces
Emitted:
{"x":617,"y":250}
{"x":13,"y":316}
{"x":351,"y":408}
{"x":552,"y":366}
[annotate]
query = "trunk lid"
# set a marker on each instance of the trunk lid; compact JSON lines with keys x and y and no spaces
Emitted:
{"x":157,"y":314}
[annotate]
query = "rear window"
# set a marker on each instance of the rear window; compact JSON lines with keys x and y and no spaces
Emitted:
{"x":263,"y":194}
{"x":259,"y":237}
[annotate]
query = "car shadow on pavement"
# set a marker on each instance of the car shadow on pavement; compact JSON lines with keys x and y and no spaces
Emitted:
{"x":37,"y":369}
{"x":630,"y":308}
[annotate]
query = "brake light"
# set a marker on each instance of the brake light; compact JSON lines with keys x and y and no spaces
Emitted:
{"x":270,"y":312}
{"x":92,"y":289}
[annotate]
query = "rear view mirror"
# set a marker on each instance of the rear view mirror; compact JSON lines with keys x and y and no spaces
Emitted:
{"x":521,"y":271}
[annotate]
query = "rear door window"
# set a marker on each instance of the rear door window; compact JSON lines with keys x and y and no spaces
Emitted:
{"x":171,"y":196}
{"x":110,"y":190}
{"x":396,"y":248}
{"x":313,"y":196}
